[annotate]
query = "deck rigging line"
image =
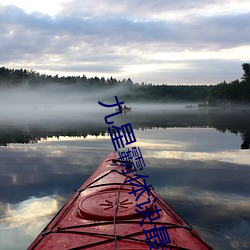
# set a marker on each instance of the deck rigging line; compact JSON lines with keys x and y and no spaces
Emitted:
{"x":116,"y":210}
{"x":115,"y":237}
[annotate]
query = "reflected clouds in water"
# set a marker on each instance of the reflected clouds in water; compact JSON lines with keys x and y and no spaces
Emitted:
{"x":21,"y":222}
{"x":198,"y":171}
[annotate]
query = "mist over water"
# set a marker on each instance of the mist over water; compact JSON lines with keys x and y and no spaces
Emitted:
{"x":55,"y":102}
{"x":193,"y":158}
{"x":58,"y":109}
{"x":61,"y":102}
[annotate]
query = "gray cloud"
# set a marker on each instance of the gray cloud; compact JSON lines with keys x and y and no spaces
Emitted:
{"x":106,"y":40}
{"x":83,"y":68}
{"x":132,"y":8}
{"x":225,"y":30}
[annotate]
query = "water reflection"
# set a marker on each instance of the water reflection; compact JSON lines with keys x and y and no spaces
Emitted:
{"x":195,"y":167}
{"x":21,"y":221}
{"x":29,"y":210}
{"x":234,"y":121}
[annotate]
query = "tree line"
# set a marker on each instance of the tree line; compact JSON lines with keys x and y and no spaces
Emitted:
{"x":236,"y":91}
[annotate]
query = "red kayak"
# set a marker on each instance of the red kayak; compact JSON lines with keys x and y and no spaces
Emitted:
{"x":114,"y":209}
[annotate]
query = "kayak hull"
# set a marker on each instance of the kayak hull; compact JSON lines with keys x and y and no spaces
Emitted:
{"x":102,"y":214}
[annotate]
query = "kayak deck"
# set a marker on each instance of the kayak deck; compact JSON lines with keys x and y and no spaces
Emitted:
{"x":103,"y":213}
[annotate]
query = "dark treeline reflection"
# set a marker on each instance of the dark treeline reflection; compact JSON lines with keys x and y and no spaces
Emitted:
{"x":234,"y":121}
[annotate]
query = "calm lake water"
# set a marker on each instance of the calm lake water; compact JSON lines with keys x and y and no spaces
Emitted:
{"x":194,"y":159}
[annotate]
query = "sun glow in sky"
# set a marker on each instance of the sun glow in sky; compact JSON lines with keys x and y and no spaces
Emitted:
{"x":171,"y":42}
{"x":45,"y":6}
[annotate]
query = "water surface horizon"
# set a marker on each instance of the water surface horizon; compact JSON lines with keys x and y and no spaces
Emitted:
{"x":194,"y":161}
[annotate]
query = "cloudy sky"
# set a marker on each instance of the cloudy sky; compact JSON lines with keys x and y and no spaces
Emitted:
{"x":157,"y":41}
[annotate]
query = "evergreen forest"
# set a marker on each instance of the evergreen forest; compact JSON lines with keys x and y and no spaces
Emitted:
{"x":224,"y":93}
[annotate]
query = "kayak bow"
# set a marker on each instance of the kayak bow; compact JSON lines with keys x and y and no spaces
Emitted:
{"x":101,"y":215}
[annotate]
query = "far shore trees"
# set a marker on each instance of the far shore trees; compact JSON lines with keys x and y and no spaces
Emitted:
{"x":236,"y":91}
